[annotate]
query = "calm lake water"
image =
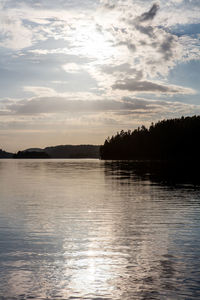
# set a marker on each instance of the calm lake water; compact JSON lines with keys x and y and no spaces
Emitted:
{"x":89,"y":229}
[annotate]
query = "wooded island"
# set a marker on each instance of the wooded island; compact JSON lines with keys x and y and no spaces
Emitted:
{"x":173,"y":139}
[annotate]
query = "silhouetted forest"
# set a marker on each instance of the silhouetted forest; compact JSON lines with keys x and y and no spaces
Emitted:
{"x":172,"y":139}
{"x":29,"y":154}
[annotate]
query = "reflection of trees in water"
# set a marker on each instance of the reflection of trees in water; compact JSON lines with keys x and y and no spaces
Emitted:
{"x":162,"y":253}
{"x":162,"y":172}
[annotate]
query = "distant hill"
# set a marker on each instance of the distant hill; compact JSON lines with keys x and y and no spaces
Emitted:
{"x":4,"y":154}
{"x":69,"y":151}
{"x":31,"y":154}
{"x":173,"y":139}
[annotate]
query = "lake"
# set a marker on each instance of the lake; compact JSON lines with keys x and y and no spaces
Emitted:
{"x":90,"y":229}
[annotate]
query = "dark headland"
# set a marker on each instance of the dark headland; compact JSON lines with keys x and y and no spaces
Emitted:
{"x":166,"y":140}
{"x":167,"y":152}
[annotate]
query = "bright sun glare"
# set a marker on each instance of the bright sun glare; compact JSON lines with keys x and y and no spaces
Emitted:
{"x":94,"y":44}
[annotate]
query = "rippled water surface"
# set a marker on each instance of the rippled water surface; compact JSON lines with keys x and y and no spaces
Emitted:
{"x":87,"y":229}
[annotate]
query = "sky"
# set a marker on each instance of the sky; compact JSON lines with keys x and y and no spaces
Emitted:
{"x":78,"y":71}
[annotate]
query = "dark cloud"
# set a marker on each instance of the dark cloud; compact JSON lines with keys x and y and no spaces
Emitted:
{"x":147,"y":16}
{"x":166,"y":48}
{"x":145,"y":86}
{"x":148,"y":30}
{"x":128,"y":44}
{"x":121,"y":38}
{"x":109,"y":5}
{"x":150,"y":14}
{"x":119,"y":29}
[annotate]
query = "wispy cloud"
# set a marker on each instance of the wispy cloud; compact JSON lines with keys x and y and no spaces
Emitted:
{"x":149,"y":86}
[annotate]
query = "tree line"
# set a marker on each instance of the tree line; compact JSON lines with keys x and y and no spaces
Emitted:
{"x":171,"y":139}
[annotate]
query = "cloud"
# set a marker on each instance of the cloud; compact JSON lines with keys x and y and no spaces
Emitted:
{"x":150,"y":87}
{"x":76,"y":108}
{"x":123,"y":69}
{"x":129,"y":44}
{"x":190,"y":48}
{"x":13,"y":34}
{"x":72,"y":68}
{"x":147,"y":30}
{"x":166,"y":47}
{"x":40,"y":91}
{"x":151,"y":47}
{"x":99,"y":28}
{"x":108,"y":4}
{"x":43,"y":105}
{"x":150,"y":15}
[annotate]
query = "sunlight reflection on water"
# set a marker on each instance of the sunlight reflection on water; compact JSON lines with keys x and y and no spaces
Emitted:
{"x":87,"y":229}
